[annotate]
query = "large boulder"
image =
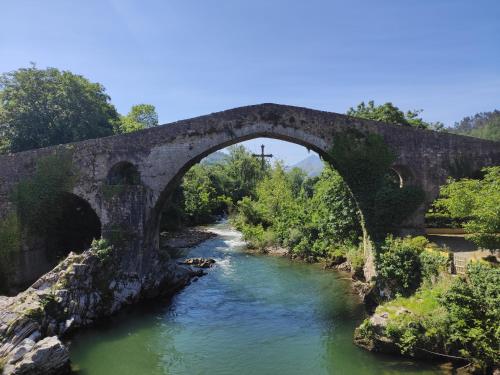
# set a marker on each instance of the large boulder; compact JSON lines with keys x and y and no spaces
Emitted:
{"x":45,"y":357}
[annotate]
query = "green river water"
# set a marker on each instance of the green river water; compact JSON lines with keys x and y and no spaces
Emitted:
{"x":250,"y":315}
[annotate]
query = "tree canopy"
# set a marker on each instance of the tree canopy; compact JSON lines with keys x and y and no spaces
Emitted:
{"x":141,"y":116}
{"x":477,"y":203}
{"x":484,"y":125}
{"x":391,"y":114}
{"x":44,"y":107}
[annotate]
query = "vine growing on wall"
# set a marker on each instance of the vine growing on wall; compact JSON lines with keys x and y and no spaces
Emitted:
{"x":37,"y":199}
{"x":364,"y":161}
{"x":36,"y":208}
{"x":10,"y":242}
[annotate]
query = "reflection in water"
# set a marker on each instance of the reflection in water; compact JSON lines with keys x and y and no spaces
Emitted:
{"x":249,"y":315}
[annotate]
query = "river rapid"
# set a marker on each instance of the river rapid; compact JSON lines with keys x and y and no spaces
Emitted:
{"x":250,"y":315}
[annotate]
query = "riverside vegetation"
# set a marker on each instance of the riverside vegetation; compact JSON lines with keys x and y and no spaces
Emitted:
{"x":424,"y":311}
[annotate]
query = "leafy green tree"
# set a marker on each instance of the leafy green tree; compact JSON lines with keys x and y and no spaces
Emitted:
{"x":391,"y":114}
{"x":44,"y":107}
{"x":477,"y":203}
{"x":243,"y":172}
{"x":296,"y":178}
{"x":212,"y":188}
{"x":333,"y":210}
{"x":484,"y":125}
{"x":141,"y":116}
{"x":277,"y":202}
{"x":473,"y":305}
{"x":200,"y":197}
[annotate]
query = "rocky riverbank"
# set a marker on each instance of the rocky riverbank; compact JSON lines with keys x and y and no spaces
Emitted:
{"x":80,"y":290}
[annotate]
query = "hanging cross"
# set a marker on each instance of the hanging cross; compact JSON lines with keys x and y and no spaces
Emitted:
{"x":262,"y":156}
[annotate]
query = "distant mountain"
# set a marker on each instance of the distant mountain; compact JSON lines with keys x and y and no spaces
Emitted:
{"x":312,"y":165}
{"x":214,"y":158}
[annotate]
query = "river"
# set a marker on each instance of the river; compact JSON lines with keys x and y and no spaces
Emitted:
{"x":250,"y":315}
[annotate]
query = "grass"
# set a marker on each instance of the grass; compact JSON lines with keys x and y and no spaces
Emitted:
{"x":425,"y":302}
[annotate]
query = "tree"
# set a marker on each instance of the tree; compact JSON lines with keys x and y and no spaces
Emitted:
{"x":200,"y":197}
{"x":333,"y":210}
{"x":399,"y":264}
{"x":473,"y":305}
{"x":242,"y":172}
{"x":391,"y":114}
{"x":477,"y":202}
{"x":141,"y":116}
{"x":484,"y":125}
{"x":44,"y":107}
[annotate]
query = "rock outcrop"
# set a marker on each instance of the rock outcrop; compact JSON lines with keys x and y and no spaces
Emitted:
{"x":81,"y":289}
{"x":47,"y":356}
{"x":199,"y":262}
{"x":372,"y":336}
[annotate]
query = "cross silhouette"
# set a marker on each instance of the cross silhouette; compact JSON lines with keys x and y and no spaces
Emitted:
{"x":262,"y":156}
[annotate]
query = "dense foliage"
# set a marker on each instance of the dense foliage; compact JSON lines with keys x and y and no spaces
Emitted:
{"x":432,"y":313}
{"x":391,"y":114}
{"x":310,"y":217}
{"x":43,"y":107}
{"x":210,"y":189}
{"x":473,"y":306}
{"x":476,"y":203}
{"x":364,"y":162}
{"x":404,"y":263}
{"x":458,"y":317}
{"x":141,"y":116}
{"x":484,"y":125}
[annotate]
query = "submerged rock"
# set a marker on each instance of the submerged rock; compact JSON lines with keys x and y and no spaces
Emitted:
{"x":199,"y":262}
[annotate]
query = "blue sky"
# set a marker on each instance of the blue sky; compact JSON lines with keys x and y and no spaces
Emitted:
{"x":190,"y":58}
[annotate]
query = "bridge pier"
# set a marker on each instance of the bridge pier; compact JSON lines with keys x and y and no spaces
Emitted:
{"x":123,"y":217}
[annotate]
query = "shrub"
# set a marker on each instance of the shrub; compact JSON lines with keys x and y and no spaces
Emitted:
{"x":356,"y":259}
{"x":337,"y":255}
{"x":102,"y":249}
{"x":473,"y":305}
{"x":399,"y":264}
{"x":433,"y":264}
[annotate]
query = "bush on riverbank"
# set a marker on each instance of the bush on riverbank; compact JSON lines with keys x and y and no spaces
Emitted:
{"x":404,"y":263}
{"x":453,"y":316}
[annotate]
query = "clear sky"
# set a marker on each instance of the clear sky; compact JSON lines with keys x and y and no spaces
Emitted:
{"x":190,"y":58}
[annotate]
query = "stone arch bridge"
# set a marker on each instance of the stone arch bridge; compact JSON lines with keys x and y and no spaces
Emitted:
{"x":126,"y":179}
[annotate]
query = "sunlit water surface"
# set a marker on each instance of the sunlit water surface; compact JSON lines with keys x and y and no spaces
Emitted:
{"x":250,"y":315}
